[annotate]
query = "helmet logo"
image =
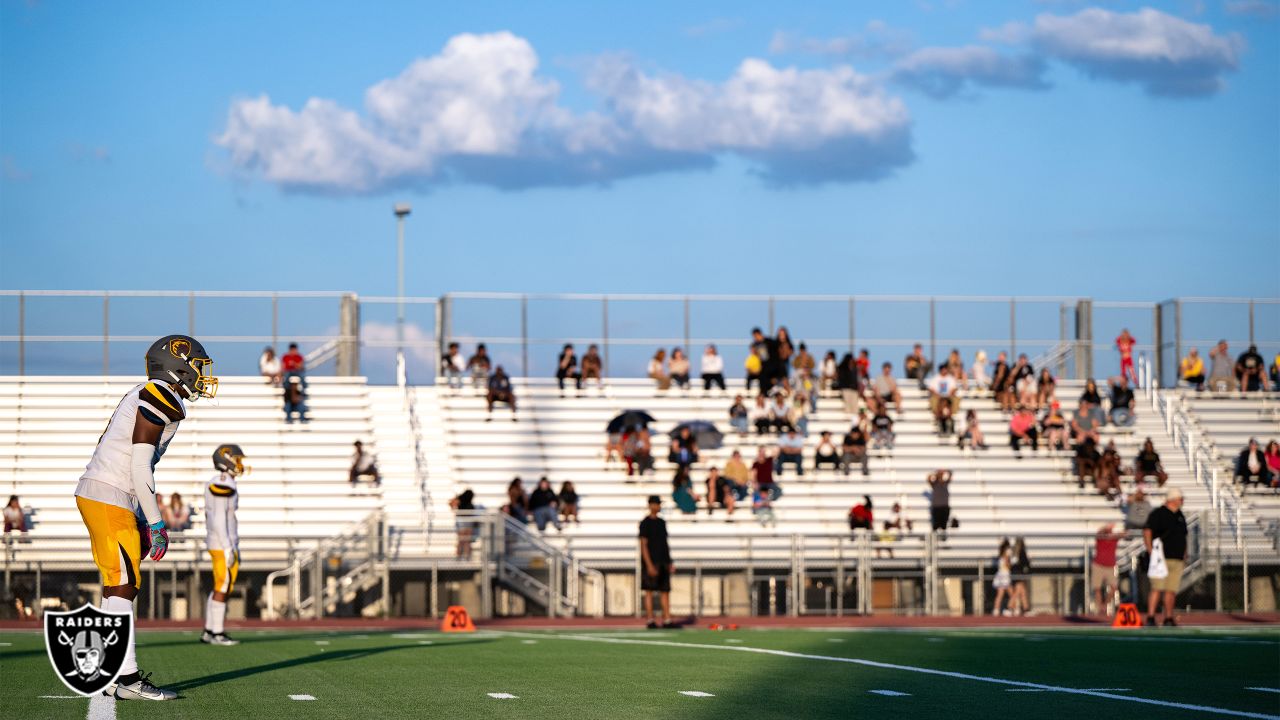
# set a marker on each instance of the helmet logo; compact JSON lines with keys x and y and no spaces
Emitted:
{"x":180,"y":348}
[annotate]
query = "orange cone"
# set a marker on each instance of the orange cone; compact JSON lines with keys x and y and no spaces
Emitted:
{"x":456,"y":619}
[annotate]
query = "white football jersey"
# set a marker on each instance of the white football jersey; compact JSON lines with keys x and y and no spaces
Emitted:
{"x":108,"y":478}
{"x":220,"y":503}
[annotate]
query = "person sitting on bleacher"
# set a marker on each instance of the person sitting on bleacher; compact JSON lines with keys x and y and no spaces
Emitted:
{"x":1122,"y":403}
{"x":712,"y":369}
{"x":517,"y":501}
{"x":944,"y":399}
{"x":293,"y":364}
{"x":1002,"y":383}
{"x":269,"y":366}
{"x":679,"y":368}
{"x":860,"y":516}
{"x":593,"y":367}
{"x":1275,"y":372}
{"x":636,"y":451}
{"x":790,"y":450}
{"x":882,"y":434}
{"x":478,"y":365}
{"x":295,"y":398}
{"x":828,"y":370}
{"x":853,"y":449}
{"x":825,"y":453}
{"x":1137,"y":509}
{"x":1084,"y":426}
{"x":1251,"y":465}
{"x":1022,"y":428}
{"x":762,"y":473}
{"x":544,"y":503}
{"x":720,"y":491}
{"x":978,"y":371}
{"x":15,"y":520}
{"x":1107,"y":479}
{"x":452,"y":367}
{"x":1273,"y":461}
{"x":1250,"y":370}
{"x":684,"y":448}
{"x":916,"y":366}
{"x":363,"y":465}
{"x":682,"y":491}
{"x":1088,"y":461}
{"x":1147,"y":463}
{"x":1221,"y":370}
{"x":176,"y":514}
{"x":886,"y":388}
{"x":1191,"y":369}
{"x":500,"y":391}
{"x":736,"y":472}
{"x":739,"y":418}
{"x":1054,"y":426}
{"x":658,"y":370}
{"x":779,"y":413}
{"x":567,"y":368}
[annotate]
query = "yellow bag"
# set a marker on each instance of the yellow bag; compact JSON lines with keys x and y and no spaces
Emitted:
{"x":753,"y":363}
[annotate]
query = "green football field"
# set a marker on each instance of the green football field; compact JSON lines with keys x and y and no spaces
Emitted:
{"x":571,"y":675}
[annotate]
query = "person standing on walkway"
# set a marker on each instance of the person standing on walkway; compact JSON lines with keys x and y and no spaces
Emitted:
{"x":940,"y":500}
{"x":655,"y":556}
{"x":1167,"y":525}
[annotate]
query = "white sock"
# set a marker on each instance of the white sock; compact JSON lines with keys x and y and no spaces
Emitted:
{"x":112,"y":603}
{"x":217,"y":613}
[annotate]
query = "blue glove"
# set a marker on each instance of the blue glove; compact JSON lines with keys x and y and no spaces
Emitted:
{"x":159,"y":540}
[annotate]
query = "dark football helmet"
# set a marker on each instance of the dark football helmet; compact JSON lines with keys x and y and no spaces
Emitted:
{"x":229,"y":459}
{"x":182,"y":360}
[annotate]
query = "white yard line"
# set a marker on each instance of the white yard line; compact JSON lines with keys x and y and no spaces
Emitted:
{"x":61,"y":697}
{"x":302,"y":697}
{"x":889,"y":693}
{"x":696,"y":693}
{"x":1259,"y":689}
{"x":101,"y":707}
{"x":503,"y":696}
{"x":908,"y":668}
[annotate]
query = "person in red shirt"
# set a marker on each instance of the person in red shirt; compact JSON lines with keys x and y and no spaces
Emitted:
{"x":293,"y":362}
{"x":860,"y":516}
{"x":864,"y":365}
{"x":1103,"y":573}
{"x":1022,"y":428}
{"x":1125,"y":344}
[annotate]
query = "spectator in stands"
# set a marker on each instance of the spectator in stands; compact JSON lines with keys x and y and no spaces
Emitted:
{"x":1275,"y":372}
{"x":847,"y":383}
{"x":1054,"y":426}
{"x":882,"y":434}
{"x":1122,"y":403}
{"x":860,"y":516}
{"x":592,"y":367}
{"x":1046,"y":386}
{"x":899,"y":522}
{"x":1221,"y":370}
{"x":762,"y":474}
{"x":1102,"y":574}
{"x":679,"y":369}
{"x":956,"y":365}
{"x":545,"y":505}
{"x":757,"y":358}
{"x":1251,"y":465}
{"x":720,"y":491}
{"x":712,"y":369}
{"x":1084,"y":426}
{"x":658,"y":370}
{"x":464,"y":523}
{"x":1125,"y":345}
{"x":1090,"y":393}
{"x":1273,"y":461}
{"x":682,"y":491}
{"x":517,"y":501}
{"x":176,"y":514}
{"x":15,"y":520}
{"x":782,"y":362}
{"x":1002,"y":581}
{"x":916,"y":366}
{"x":1107,"y":480}
{"x":294,"y":365}
{"x":1137,"y":509}
{"x":1147,"y":464}
{"x":452,"y":367}
{"x":655,"y":554}
{"x":939,"y":501}
{"x":500,"y":391}
{"x":864,"y":367}
{"x":972,"y":432}
{"x":825,"y":453}
{"x":1088,"y":461}
{"x":760,"y":416}
{"x":1021,"y":573}
{"x":737,"y":473}
{"x":791,"y":450}
{"x":1251,"y":370}
{"x":363,"y":465}
{"x":980,"y":380}
{"x":853,"y":450}
{"x":803,"y":361}
{"x":739,"y":416}
{"x":886,"y":388}
{"x":944,"y":400}
{"x":1168,"y":525}
{"x":567,"y":368}
{"x":863,"y":421}
{"x":798,"y":415}
{"x":295,"y":398}
{"x":637,"y":450}
{"x":1023,"y":377}
{"x":613,"y":447}
{"x":1022,"y":428}
{"x":1191,"y":369}
{"x":269,"y":366}
{"x":479,"y":365}
{"x":780,"y":413}
{"x":829,"y":365}
{"x":684,"y":448}
{"x":569,"y":502}
{"x":1002,"y":383}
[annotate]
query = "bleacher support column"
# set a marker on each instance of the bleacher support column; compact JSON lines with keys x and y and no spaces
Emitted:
{"x":1157,"y":333}
{"x":1084,"y":339}
{"x":348,"y":336}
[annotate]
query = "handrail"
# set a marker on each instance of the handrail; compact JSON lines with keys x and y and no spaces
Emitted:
{"x":365,"y":529}
{"x":420,"y":467}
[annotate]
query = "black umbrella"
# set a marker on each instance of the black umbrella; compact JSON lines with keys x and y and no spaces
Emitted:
{"x":705,"y":432}
{"x":629,"y":419}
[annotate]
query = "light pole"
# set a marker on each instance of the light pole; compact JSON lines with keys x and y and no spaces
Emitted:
{"x":402,"y":210}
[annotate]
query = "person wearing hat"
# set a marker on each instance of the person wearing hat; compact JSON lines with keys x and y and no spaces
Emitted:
{"x":1168,"y":525}
{"x":655,"y":555}
{"x":1102,"y":575}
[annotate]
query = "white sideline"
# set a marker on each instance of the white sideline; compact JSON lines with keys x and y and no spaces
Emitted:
{"x":906,"y":668}
{"x":101,"y":707}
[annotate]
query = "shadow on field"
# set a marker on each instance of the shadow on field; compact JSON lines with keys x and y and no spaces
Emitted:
{"x":194,"y":640}
{"x":319,"y":657}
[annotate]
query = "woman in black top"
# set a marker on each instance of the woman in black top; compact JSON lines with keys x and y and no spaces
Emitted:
{"x":1148,"y":463}
{"x":543,"y":503}
{"x":1045,"y":386}
{"x":568,"y":368}
{"x":1002,"y":384}
{"x":1091,"y":393}
{"x":569,"y":502}
{"x":465,"y":526}
{"x":1021,"y":569}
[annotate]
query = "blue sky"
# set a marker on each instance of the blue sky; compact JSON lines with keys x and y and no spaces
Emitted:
{"x":1041,"y":148}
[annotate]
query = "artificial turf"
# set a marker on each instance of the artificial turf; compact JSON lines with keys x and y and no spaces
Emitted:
{"x":393,"y":675}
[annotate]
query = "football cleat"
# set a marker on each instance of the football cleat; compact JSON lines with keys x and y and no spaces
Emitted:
{"x":138,"y":687}
{"x":210,"y":638}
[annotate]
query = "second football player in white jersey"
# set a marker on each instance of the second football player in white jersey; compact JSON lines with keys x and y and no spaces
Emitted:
{"x":221,"y":499}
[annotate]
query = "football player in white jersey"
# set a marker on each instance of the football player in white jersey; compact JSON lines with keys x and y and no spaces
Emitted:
{"x":222,"y":539}
{"x":116,"y":495}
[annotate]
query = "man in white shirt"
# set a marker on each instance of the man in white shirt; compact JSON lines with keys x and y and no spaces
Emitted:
{"x":712,"y":369}
{"x":363,"y":464}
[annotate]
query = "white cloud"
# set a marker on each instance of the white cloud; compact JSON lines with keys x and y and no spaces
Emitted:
{"x":479,"y":112}
{"x":877,"y":41}
{"x":941,"y":72}
{"x":1164,"y":54}
{"x":1265,"y":9}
